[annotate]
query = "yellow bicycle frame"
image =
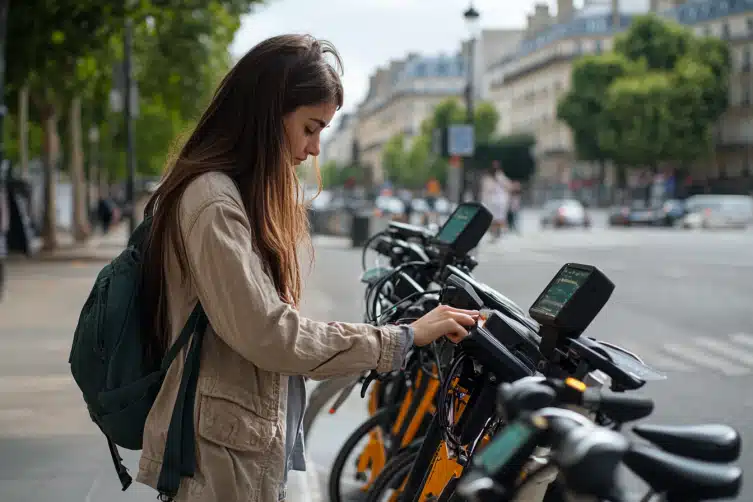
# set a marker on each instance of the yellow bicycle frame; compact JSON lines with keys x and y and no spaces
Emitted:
{"x":374,"y":455}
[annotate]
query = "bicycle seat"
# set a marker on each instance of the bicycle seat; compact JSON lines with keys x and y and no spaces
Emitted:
{"x":709,"y":442}
{"x":683,"y":478}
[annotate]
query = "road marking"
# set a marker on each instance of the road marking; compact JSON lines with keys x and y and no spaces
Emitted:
{"x":742,"y":338}
{"x":666,"y":363}
{"x":706,"y":360}
{"x":724,"y":349}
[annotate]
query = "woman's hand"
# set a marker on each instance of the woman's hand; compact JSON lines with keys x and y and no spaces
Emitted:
{"x":443,"y":321}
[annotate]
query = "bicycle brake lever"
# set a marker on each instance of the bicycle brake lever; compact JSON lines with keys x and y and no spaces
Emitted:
{"x":373,"y":375}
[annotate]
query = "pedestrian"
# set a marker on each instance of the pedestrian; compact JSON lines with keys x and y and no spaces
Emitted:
{"x":514,"y":206}
{"x":494,"y":197}
{"x":226,"y":230}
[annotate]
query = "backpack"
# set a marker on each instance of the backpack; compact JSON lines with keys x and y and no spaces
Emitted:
{"x":118,"y":384}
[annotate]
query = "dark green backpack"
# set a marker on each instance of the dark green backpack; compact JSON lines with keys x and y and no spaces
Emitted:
{"x":119,"y":386}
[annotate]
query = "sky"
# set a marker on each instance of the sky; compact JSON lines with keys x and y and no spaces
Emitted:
{"x":369,"y":33}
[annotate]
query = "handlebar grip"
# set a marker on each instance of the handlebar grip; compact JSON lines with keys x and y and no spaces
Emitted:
{"x":619,"y":407}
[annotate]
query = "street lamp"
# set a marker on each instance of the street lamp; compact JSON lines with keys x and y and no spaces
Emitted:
{"x":471,"y":17}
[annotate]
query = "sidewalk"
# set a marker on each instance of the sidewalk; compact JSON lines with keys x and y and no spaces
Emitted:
{"x":49,"y":448}
{"x":98,"y":248}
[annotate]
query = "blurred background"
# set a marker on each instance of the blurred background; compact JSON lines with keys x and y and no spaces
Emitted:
{"x":612,"y":132}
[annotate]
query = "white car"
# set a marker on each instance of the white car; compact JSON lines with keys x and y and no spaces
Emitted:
{"x":718,"y":211}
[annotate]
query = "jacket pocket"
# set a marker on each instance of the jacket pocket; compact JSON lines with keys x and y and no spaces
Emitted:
{"x":230,"y":424}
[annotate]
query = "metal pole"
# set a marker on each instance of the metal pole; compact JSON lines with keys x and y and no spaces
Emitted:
{"x":128,"y":98}
{"x":464,"y":171}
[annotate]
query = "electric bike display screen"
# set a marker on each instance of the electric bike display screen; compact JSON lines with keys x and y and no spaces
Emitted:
{"x":464,"y":228}
{"x":458,"y":222}
{"x":566,"y":283}
{"x":504,"y":446}
{"x":573,"y":298}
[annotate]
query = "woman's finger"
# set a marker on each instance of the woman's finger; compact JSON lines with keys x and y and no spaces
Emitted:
{"x":462,"y":319}
{"x":453,"y":330}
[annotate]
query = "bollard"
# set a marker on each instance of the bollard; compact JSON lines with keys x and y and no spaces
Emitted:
{"x":360,"y":229}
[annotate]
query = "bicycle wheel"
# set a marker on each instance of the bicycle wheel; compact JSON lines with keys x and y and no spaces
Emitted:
{"x":382,"y":421}
{"x":393,"y":475}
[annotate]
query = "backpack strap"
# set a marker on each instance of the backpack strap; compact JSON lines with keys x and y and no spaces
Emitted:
{"x":197,"y":323}
{"x":180,"y":454}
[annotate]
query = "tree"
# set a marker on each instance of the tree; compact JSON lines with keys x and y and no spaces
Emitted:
{"x":638,"y":108}
{"x":395,"y":158}
{"x":582,"y":107}
{"x":514,"y":154}
{"x":654,"y":99}
{"x":58,"y":49}
{"x":46,"y":40}
{"x":423,"y":163}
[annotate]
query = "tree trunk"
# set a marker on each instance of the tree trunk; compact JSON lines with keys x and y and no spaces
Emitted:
{"x":80,"y":220}
{"x":601,"y":195}
{"x":49,"y":160}
{"x":23,"y":128}
{"x":621,"y":175}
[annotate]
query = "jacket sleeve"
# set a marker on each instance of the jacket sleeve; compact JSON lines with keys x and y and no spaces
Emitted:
{"x":245,"y":310}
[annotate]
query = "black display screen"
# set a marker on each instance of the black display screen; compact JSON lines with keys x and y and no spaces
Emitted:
{"x":564,"y":286}
{"x":457,"y":223}
{"x":504,"y":446}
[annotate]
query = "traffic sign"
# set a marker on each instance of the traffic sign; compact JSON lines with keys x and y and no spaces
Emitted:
{"x":460,"y":140}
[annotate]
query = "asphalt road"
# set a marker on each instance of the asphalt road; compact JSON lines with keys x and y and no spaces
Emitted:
{"x":684,"y":301}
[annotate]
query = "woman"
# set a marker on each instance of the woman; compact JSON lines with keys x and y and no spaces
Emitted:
{"x":226,"y":231}
{"x":494,"y":197}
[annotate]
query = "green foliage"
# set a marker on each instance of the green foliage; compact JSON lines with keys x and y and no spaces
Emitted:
{"x":334,"y":175}
{"x":514,"y":154}
{"x":180,"y":52}
{"x":655,"y":98}
{"x":413,"y":165}
{"x":582,"y":108}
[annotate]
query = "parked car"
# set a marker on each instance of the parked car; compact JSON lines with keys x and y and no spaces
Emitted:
{"x":718,"y":211}
{"x":564,"y":213}
{"x":638,"y":214}
{"x":390,"y":207}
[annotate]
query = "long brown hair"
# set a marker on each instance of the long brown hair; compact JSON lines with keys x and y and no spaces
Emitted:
{"x":242,"y":134}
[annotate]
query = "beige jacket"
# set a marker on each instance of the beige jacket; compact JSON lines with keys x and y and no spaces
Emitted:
{"x":253,"y":343}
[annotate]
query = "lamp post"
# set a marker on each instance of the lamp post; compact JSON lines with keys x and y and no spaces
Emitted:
{"x":471,"y":17}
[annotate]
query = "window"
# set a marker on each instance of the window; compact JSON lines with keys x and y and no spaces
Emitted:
{"x":707,"y":30}
{"x":749,"y":22}
{"x":746,"y":59}
{"x":598,"y":47}
{"x":725,"y":31}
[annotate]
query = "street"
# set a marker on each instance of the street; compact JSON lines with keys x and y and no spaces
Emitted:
{"x":683,"y":301}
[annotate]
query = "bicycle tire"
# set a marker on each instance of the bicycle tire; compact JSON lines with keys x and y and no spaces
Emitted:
{"x":383,"y":417}
{"x":319,"y":397}
{"x":396,"y":470}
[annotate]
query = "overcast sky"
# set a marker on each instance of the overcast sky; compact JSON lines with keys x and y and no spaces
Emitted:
{"x":368,"y":33}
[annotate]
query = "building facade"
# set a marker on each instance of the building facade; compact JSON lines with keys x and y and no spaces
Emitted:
{"x":400,"y":97}
{"x":339,"y":146}
{"x":526,"y":85}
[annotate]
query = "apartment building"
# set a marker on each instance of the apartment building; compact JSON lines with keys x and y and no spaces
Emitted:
{"x":400,"y":97}
{"x":339,"y":146}
{"x":404,"y":93}
{"x":527,"y":84}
